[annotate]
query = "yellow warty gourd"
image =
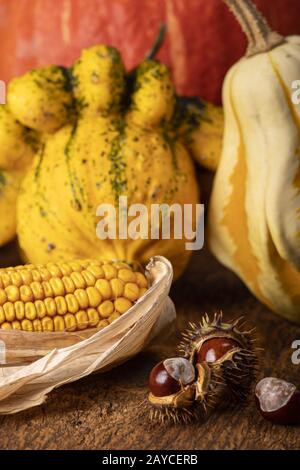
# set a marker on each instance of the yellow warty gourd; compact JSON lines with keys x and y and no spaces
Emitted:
{"x":204,"y":139}
{"x":68,"y":296}
{"x":103,"y":134}
{"x":254,"y":212}
{"x":44,"y":100}
{"x":17,"y":145}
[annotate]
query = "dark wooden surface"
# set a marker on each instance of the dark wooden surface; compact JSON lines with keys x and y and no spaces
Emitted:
{"x":108,"y":411}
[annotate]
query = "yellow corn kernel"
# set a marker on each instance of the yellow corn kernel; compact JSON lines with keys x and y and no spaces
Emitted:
{"x":114,"y":317}
{"x":104,"y":288}
{"x":16,"y":325}
{"x":84,"y":264}
{"x":47,"y":324}
{"x":117,"y":287}
{"x":27,"y":325}
{"x":90,"y":280}
{"x":65,"y":269}
{"x":9,"y":311}
{"x":50,"y":307}
{"x":106,"y":308}
{"x":40,"y":308}
{"x":48,"y":291}
{"x":59,"y":324}
{"x":26,"y":294}
{"x":102,"y":324}
{"x":69,"y":285}
{"x":54,"y":270}
{"x":82,"y":319}
{"x":82,"y":298}
{"x":6,"y":326}
{"x":78,"y":280}
{"x":3,"y":297}
{"x":57,"y":286}
{"x":38,"y":291}
{"x":20,"y":310}
{"x":2,"y":316}
{"x":16,"y":279}
{"x":70,"y":322}
{"x":93,"y":316}
{"x":30,"y":311}
{"x":36,"y":275}
{"x":6,"y":280}
{"x":122,"y":304}
{"x":72,"y":303}
{"x":26,"y":276}
{"x":141,"y":280}
{"x":76,"y":267}
{"x":126,"y":275}
{"x":143,"y":290}
{"x":61,"y":305}
{"x":37,"y":325}
{"x":45,"y":274}
{"x":94,"y":296}
{"x":131,"y":291}
{"x":13,"y":293}
{"x":96,"y":271}
{"x":121,"y":265}
{"x":110,"y":271}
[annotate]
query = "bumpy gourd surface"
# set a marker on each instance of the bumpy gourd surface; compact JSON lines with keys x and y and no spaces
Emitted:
{"x":16,"y":152}
{"x":116,"y":138}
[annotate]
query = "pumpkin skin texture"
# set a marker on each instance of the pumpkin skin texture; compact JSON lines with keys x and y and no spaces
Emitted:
{"x":111,"y":149}
{"x":254,"y":210}
{"x":203,"y":38}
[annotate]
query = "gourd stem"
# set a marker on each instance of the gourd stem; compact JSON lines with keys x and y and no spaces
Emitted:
{"x":157,"y":43}
{"x":260,"y":36}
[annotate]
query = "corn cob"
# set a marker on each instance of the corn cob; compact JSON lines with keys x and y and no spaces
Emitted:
{"x":67,"y":296}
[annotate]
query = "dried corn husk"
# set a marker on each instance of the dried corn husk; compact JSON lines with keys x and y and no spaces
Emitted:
{"x":66,"y":357}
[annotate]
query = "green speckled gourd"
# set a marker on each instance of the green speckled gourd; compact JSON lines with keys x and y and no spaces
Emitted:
{"x":103,"y":134}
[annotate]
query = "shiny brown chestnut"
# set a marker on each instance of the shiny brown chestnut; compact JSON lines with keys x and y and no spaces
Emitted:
{"x":170,"y":376}
{"x":227,"y":348}
{"x":215,"y":348}
{"x":278,"y":401}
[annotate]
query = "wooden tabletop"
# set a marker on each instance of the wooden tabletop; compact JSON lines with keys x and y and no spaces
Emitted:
{"x":109,"y":411}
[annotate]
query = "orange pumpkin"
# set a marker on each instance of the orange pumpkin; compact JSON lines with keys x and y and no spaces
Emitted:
{"x":203,"y":40}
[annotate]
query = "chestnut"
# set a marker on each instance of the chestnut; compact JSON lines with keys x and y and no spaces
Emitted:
{"x":169,"y":376}
{"x":215,"y":348}
{"x":278,"y":401}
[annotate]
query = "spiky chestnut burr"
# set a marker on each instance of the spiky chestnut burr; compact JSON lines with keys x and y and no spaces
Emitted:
{"x":181,"y":392}
{"x":227,"y":349}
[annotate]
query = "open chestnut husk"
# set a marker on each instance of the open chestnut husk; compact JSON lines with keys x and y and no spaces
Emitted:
{"x":179,"y":391}
{"x":171,"y":377}
{"x":227,"y":348}
{"x":278,"y":401}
